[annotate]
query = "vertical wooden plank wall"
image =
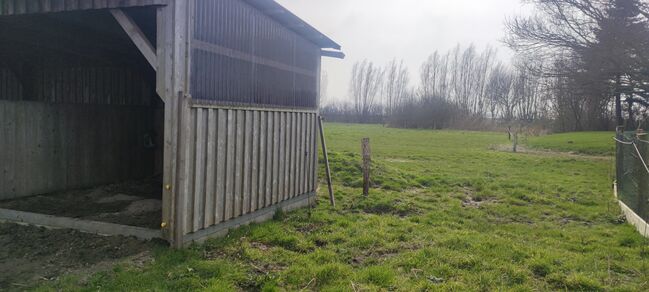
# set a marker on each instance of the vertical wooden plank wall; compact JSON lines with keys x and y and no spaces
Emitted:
{"x":244,"y":160}
{"x":48,"y":147}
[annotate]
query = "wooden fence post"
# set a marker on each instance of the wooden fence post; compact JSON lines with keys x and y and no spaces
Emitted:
{"x":619,"y":155}
{"x":332,"y":198}
{"x":367,"y":159}
{"x":642,"y":177}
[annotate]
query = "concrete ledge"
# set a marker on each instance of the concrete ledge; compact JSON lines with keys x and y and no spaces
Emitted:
{"x":258,"y":216}
{"x":631,"y":217}
{"x":87,"y":226}
{"x":635,"y":220}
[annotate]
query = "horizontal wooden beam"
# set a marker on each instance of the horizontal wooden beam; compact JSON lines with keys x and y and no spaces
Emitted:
{"x":197,"y":103}
{"x":137,"y":36}
{"x":87,"y":226}
{"x":258,"y":216}
{"x":235,"y":54}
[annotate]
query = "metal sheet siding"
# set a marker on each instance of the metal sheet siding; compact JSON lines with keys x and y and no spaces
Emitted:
{"x":239,"y":162}
{"x":17,"y":7}
{"x":241,"y":56}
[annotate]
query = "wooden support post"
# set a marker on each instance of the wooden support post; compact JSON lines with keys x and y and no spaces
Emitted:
{"x":137,"y":36}
{"x":619,"y":154}
{"x":367,"y":159}
{"x":332,"y":199}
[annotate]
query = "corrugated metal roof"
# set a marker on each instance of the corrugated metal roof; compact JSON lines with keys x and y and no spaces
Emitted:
{"x":16,"y":7}
{"x":293,"y":22}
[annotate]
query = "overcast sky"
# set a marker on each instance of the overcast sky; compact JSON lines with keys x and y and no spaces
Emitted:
{"x":380,"y":30}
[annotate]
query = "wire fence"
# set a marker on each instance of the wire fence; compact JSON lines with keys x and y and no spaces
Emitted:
{"x":632,"y":171}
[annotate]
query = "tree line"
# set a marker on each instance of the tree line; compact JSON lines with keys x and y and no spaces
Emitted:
{"x":579,"y":65}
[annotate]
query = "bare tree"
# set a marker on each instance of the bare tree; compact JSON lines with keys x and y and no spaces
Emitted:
{"x":607,"y":43}
{"x":365,"y":84}
{"x":498,"y":91}
{"x":396,"y":84}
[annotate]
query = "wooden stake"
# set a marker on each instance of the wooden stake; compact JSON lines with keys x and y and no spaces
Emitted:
{"x":367,"y":159}
{"x":332,"y":199}
{"x":515,"y":147}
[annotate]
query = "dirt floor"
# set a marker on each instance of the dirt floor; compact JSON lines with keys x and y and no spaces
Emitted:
{"x":135,"y":203}
{"x":31,"y":255}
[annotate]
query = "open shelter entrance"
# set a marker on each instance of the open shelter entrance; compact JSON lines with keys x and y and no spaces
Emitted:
{"x":81,"y":124}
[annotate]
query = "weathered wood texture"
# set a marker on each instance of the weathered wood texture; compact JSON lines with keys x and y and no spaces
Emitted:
{"x":367,"y":161}
{"x":16,"y":7}
{"x":88,"y":226}
{"x":51,"y":147}
{"x":239,"y":162}
{"x":79,"y":84}
{"x":9,"y":85}
{"x":332,"y":198}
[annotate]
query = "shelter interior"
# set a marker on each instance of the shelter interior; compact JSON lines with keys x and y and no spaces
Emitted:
{"x":81,"y":125}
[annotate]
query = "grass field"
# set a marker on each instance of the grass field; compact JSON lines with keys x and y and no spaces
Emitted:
{"x":592,"y":143}
{"x":446,"y":213}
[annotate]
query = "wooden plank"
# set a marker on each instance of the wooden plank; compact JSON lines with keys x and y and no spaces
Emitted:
{"x":276,"y":151}
{"x":176,"y":32}
{"x":300,"y":154}
{"x":170,"y":155}
{"x":287,"y":168}
{"x":332,"y":199}
{"x":187,"y":206}
{"x":210,"y":171}
{"x":254,"y":179}
{"x":263,"y":133}
{"x":230,"y":166}
{"x":199,"y":171}
{"x":7,"y":149}
{"x":282,"y":156}
{"x":181,"y":191}
{"x":307,"y":172}
{"x":200,"y":103}
{"x":238,"y":159}
{"x":269,"y":159}
{"x":254,"y":217}
{"x":367,"y":159}
{"x":137,"y":36}
{"x":247,"y":163}
{"x":316,"y":166}
{"x":221,"y":159}
{"x":294,"y":150}
{"x":94,"y":227}
{"x":21,"y":153}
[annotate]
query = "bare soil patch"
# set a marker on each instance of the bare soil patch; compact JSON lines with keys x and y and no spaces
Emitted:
{"x":32,"y":255}
{"x":136,"y":203}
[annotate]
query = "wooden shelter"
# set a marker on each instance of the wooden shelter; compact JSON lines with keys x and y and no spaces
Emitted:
{"x":219,"y":96}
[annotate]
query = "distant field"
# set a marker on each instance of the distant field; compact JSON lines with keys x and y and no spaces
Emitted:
{"x":592,"y":143}
{"x":446,"y":213}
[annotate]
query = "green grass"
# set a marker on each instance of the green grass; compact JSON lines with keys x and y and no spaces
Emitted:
{"x":591,"y":143}
{"x":445,"y":213}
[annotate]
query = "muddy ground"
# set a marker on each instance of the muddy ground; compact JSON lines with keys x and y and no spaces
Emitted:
{"x":31,"y":255}
{"x":136,"y":203}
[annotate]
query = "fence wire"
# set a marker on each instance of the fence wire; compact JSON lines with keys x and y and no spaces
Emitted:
{"x":632,"y":171}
